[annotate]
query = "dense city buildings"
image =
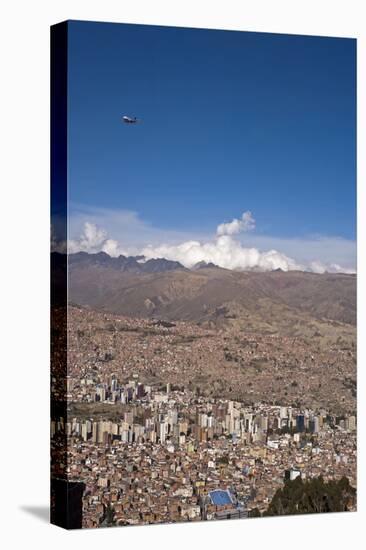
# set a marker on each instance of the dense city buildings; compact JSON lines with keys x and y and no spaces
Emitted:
{"x":156,"y":437}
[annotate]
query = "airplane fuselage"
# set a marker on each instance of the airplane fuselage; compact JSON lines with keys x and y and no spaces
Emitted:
{"x":129,"y":120}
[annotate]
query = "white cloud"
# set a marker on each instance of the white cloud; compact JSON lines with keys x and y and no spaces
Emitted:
{"x":320,"y":267}
{"x":234,"y":246}
{"x":125,"y":226}
{"x":246,"y":223}
{"x":225,"y":252}
{"x":94,"y":239}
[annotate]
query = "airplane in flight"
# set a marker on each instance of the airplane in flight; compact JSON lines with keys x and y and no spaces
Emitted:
{"x":130,"y":120}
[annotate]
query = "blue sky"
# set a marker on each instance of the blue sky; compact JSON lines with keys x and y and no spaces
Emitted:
{"x":231,"y":121}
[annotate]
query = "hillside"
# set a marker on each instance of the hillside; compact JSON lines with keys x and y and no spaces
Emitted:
{"x":290,"y":302}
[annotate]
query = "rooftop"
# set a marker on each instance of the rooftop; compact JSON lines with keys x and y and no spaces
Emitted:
{"x":220,"y":497}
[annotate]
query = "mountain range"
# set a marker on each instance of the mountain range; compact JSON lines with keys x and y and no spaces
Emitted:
{"x":272,"y":301}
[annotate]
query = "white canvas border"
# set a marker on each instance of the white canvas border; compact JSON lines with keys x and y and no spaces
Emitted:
{"x":25,"y":267}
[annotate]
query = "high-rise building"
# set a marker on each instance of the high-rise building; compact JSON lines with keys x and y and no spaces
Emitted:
{"x":163,"y":429}
{"x":351,"y":423}
{"x":84,"y":431}
{"x":95,"y":432}
{"x":300,"y":423}
{"x":314,"y":424}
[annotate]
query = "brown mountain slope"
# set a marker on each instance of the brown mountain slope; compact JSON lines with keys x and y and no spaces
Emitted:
{"x":270,"y":302}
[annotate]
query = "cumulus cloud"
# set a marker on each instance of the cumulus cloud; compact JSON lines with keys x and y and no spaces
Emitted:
{"x":227,"y":249}
{"x":225,"y":252}
{"x":321,"y":267}
{"x":246,"y":223}
{"x":126,"y":226}
{"x":95,"y":239}
{"x":320,"y":249}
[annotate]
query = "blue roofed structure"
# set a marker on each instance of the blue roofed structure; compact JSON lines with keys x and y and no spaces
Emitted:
{"x":220,"y":497}
{"x":222,"y":504}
